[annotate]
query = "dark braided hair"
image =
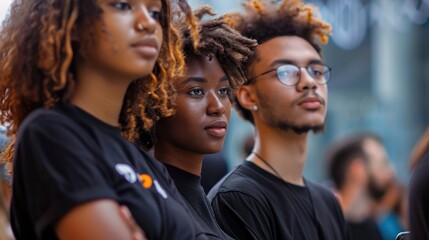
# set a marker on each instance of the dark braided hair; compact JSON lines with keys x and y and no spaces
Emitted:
{"x":266,"y":19}
{"x":216,"y":39}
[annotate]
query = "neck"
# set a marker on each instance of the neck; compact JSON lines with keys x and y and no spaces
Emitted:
{"x":284,"y":151}
{"x":187,"y":161}
{"x":354,"y":203}
{"x":100,"y":95}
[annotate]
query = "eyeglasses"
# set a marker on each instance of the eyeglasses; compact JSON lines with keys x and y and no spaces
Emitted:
{"x":290,"y":74}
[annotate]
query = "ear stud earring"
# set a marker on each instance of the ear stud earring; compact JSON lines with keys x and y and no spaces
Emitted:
{"x":255,"y":108}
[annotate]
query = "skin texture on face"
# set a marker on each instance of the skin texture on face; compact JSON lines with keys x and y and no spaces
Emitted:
{"x":380,"y":171}
{"x":127,"y":40}
{"x":301,"y":107}
{"x":203,"y":109}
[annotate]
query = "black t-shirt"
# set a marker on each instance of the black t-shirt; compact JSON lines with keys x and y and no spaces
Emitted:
{"x":366,"y":229}
{"x":189,"y":186}
{"x":419,"y":201}
{"x":213,"y":170}
{"x":66,"y":157}
{"x":251,"y":203}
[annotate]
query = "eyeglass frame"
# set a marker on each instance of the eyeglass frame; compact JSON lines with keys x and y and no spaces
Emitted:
{"x":329,"y":70}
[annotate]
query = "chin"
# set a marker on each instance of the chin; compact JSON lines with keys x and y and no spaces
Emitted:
{"x":213,"y":149}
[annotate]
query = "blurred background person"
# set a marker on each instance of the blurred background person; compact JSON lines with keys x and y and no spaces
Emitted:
{"x":5,"y":229}
{"x":347,"y":169}
{"x":419,"y":194}
{"x":371,"y":196}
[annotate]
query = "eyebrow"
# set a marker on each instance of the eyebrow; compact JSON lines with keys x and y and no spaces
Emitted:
{"x":287,"y":61}
{"x":195,"y":79}
{"x":203,"y":80}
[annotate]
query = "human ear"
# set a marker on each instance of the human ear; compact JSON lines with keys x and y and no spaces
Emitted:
{"x":246,"y":96}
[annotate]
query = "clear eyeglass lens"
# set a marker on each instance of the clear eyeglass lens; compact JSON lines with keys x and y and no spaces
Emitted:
{"x":289,"y":74}
{"x":318,"y":71}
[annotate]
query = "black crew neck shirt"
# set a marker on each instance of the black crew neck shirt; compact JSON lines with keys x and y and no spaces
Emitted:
{"x":189,"y":185}
{"x":251,"y":203}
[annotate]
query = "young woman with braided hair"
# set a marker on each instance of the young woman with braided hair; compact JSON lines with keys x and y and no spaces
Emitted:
{"x":73,"y":75}
{"x":202,"y":104}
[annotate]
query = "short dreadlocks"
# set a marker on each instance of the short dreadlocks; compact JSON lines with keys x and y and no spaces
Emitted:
{"x":266,"y":19}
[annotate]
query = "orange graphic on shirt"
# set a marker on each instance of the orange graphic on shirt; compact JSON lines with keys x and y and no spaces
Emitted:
{"x":146,"y":181}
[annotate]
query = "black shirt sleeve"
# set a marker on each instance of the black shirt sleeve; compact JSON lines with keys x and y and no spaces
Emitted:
{"x":53,"y":162}
{"x":241,"y":216}
{"x":418,"y":201}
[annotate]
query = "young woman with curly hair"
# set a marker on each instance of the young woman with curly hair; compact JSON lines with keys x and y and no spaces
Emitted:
{"x":202,"y":104}
{"x":74,"y":75}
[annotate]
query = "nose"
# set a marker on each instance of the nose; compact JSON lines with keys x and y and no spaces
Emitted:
{"x":215,"y":106}
{"x":306,"y":82}
{"x":144,"y":21}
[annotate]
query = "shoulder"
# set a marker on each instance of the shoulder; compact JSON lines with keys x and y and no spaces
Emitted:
{"x":53,"y":120}
{"x":420,"y":178}
{"x":43,"y":115}
{"x":321,"y":193}
{"x":239,"y":180}
{"x":238,"y":187}
{"x":320,"y":190}
{"x":418,"y":196}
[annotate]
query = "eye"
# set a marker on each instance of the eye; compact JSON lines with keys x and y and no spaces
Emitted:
{"x":225,"y":90}
{"x":317,"y":70}
{"x":284,"y":73}
{"x":157,"y":15}
{"x":196,"y":92}
{"x":315,"y":73}
{"x":121,"y":5}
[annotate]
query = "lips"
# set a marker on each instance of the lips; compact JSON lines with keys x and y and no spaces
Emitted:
{"x":217,"y":128}
{"x":311,"y":103}
{"x":147,"y":47}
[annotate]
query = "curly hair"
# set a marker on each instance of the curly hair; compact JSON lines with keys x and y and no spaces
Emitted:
{"x":37,"y":62}
{"x":216,"y":39}
{"x":265,"y":19}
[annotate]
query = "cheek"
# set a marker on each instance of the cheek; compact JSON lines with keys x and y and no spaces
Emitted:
{"x":188,"y":113}
{"x":227,"y":105}
{"x":159,"y":35}
{"x":324,"y":92}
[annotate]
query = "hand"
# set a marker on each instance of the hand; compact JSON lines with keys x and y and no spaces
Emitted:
{"x":136,"y":232}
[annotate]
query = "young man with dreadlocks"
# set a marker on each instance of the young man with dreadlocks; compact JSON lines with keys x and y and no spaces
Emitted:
{"x":285,"y":98}
{"x":66,"y":67}
{"x":203,"y":105}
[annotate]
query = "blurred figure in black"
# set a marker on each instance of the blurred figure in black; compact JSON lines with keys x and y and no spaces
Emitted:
{"x":419,"y":194}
